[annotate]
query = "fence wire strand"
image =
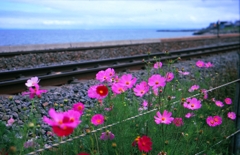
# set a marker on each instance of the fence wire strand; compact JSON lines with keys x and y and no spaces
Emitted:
{"x":221,"y":141}
{"x":130,"y":118}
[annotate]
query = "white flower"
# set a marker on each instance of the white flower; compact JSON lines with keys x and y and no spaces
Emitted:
{"x":32,"y":81}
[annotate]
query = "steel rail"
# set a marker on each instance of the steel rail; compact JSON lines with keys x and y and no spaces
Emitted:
{"x":11,"y":82}
{"x":71,"y":49}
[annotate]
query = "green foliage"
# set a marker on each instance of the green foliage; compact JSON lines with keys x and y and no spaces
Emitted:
{"x":127,"y":122}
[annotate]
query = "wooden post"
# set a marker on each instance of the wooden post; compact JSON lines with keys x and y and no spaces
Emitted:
{"x":236,"y":140}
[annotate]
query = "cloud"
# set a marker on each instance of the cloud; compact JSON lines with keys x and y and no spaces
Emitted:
{"x":116,"y":13}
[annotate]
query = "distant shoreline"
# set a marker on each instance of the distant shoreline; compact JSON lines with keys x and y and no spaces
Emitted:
{"x":183,"y":30}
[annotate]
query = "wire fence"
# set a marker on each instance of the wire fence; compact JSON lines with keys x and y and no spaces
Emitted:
{"x":130,"y":118}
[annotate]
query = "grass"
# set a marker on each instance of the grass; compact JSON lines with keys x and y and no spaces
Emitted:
{"x":127,"y":123}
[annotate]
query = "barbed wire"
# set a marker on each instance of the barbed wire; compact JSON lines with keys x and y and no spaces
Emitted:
{"x":130,"y":118}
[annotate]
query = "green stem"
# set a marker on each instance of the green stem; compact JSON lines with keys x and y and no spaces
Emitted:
{"x":96,"y":141}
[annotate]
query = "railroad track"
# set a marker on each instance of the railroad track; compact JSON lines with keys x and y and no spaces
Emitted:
{"x":13,"y":82}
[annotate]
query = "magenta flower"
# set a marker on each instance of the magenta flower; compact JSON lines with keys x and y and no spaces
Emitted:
{"x":178,"y":121}
{"x":156,"y":81}
{"x":188,"y":115}
{"x":200,"y":64}
{"x":10,"y":122}
{"x":169,"y":76}
{"x":110,"y":72}
{"x":145,"y":103}
{"x":193,"y":88}
{"x":231,"y":115}
{"x":228,"y":100}
{"x":107,"y":135}
{"x":205,"y":94}
{"x":217,"y":120}
{"x":34,"y":91}
{"x":79,"y":107}
{"x":214,"y":120}
{"x":208,"y":65}
{"x":157,"y":65}
{"x":102,"y":76}
{"x":192,"y":104}
{"x":210,"y":121}
{"x":165,"y":118}
{"x":118,"y":88}
{"x":63,"y":123}
{"x":127,"y":80}
{"x":141,"y":89}
{"x":219,"y":103}
{"x":32,"y":81}
{"x":93,"y":92}
{"x":97,"y":119}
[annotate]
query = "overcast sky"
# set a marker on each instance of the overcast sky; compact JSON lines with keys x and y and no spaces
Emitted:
{"x":115,"y":14}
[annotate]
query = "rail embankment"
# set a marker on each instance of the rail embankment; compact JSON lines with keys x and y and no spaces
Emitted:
{"x":30,"y":56}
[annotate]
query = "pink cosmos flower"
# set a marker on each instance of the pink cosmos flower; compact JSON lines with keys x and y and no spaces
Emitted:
{"x":165,"y":118}
{"x":114,"y":79}
{"x":157,"y":65}
{"x":145,"y":103}
{"x":178,"y":121}
{"x":169,"y":76}
{"x":10,"y":122}
{"x":156,"y":81}
{"x":219,"y":103}
{"x":228,"y":100}
{"x":210,"y":121}
{"x":183,"y":73}
{"x":118,"y":88}
{"x":144,"y":106}
{"x":79,"y":107}
{"x":102,"y":76}
{"x":32,"y":81}
{"x":141,"y":89}
{"x":156,"y":91}
{"x":193,"y":88}
{"x":231,"y":115}
{"x":214,"y":120}
{"x":97,"y":119}
{"x":200,"y":64}
{"x":208,"y":65}
{"x":188,"y":115}
{"x":127,"y":80}
{"x":217,"y":120}
{"x":63,"y":123}
{"x":205,"y":94}
{"x":34,"y":91}
{"x":107,"y":135}
{"x":192,"y":104}
{"x":93,"y":93}
{"x":110,"y":72}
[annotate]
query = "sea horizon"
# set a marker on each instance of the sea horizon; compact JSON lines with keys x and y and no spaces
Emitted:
{"x":18,"y":37}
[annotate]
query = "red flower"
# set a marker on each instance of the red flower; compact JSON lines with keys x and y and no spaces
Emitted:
{"x":102,"y":90}
{"x":62,"y":131}
{"x":83,"y":153}
{"x":145,"y":144}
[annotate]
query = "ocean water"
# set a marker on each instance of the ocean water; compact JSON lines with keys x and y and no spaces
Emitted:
{"x":11,"y":37}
